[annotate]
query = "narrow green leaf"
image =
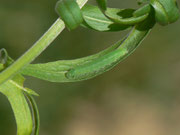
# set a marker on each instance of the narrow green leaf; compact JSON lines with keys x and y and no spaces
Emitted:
{"x":121,"y":16}
{"x":111,"y":59}
{"x":88,"y":67}
{"x":17,"y":80}
{"x":96,"y":20}
{"x":146,"y":9}
{"x":166,"y":11}
{"x":56,"y":71}
{"x":70,"y":13}
{"x":102,"y":4}
{"x":19,"y":105}
{"x":35,"y":114}
{"x":124,"y":16}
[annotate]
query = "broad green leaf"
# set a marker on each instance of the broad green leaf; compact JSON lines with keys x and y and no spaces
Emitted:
{"x":19,"y":105}
{"x":102,"y":4}
{"x":70,"y":13}
{"x":96,"y":20}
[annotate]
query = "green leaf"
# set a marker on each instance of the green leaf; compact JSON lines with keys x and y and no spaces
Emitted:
{"x":102,"y":4}
{"x":19,"y":105}
{"x":91,"y":66}
{"x":56,"y":71}
{"x":17,"y":80}
{"x":146,"y":9}
{"x":111,"y":59}
{"x":70,"y":13}
{"x":96,"y":20}
{"x":35,"y":113}
{"x":124,"y":16}
{"x":121,"y":16}
{"x":166,"y":11}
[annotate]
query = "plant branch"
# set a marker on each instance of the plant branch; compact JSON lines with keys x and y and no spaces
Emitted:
{"x":36,"y":49}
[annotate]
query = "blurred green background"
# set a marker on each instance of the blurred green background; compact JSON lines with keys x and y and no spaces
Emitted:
{"x":140,"y":96}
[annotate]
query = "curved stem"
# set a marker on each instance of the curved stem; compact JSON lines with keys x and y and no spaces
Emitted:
{"x":36,"y":49}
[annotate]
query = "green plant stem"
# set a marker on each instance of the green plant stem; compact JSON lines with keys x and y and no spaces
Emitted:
{"x":36,"y":49}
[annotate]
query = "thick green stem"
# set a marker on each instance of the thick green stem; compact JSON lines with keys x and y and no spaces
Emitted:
{"x":36,"y":49}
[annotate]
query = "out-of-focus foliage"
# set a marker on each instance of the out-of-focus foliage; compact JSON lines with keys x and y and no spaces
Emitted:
{"x":140,"y":96}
